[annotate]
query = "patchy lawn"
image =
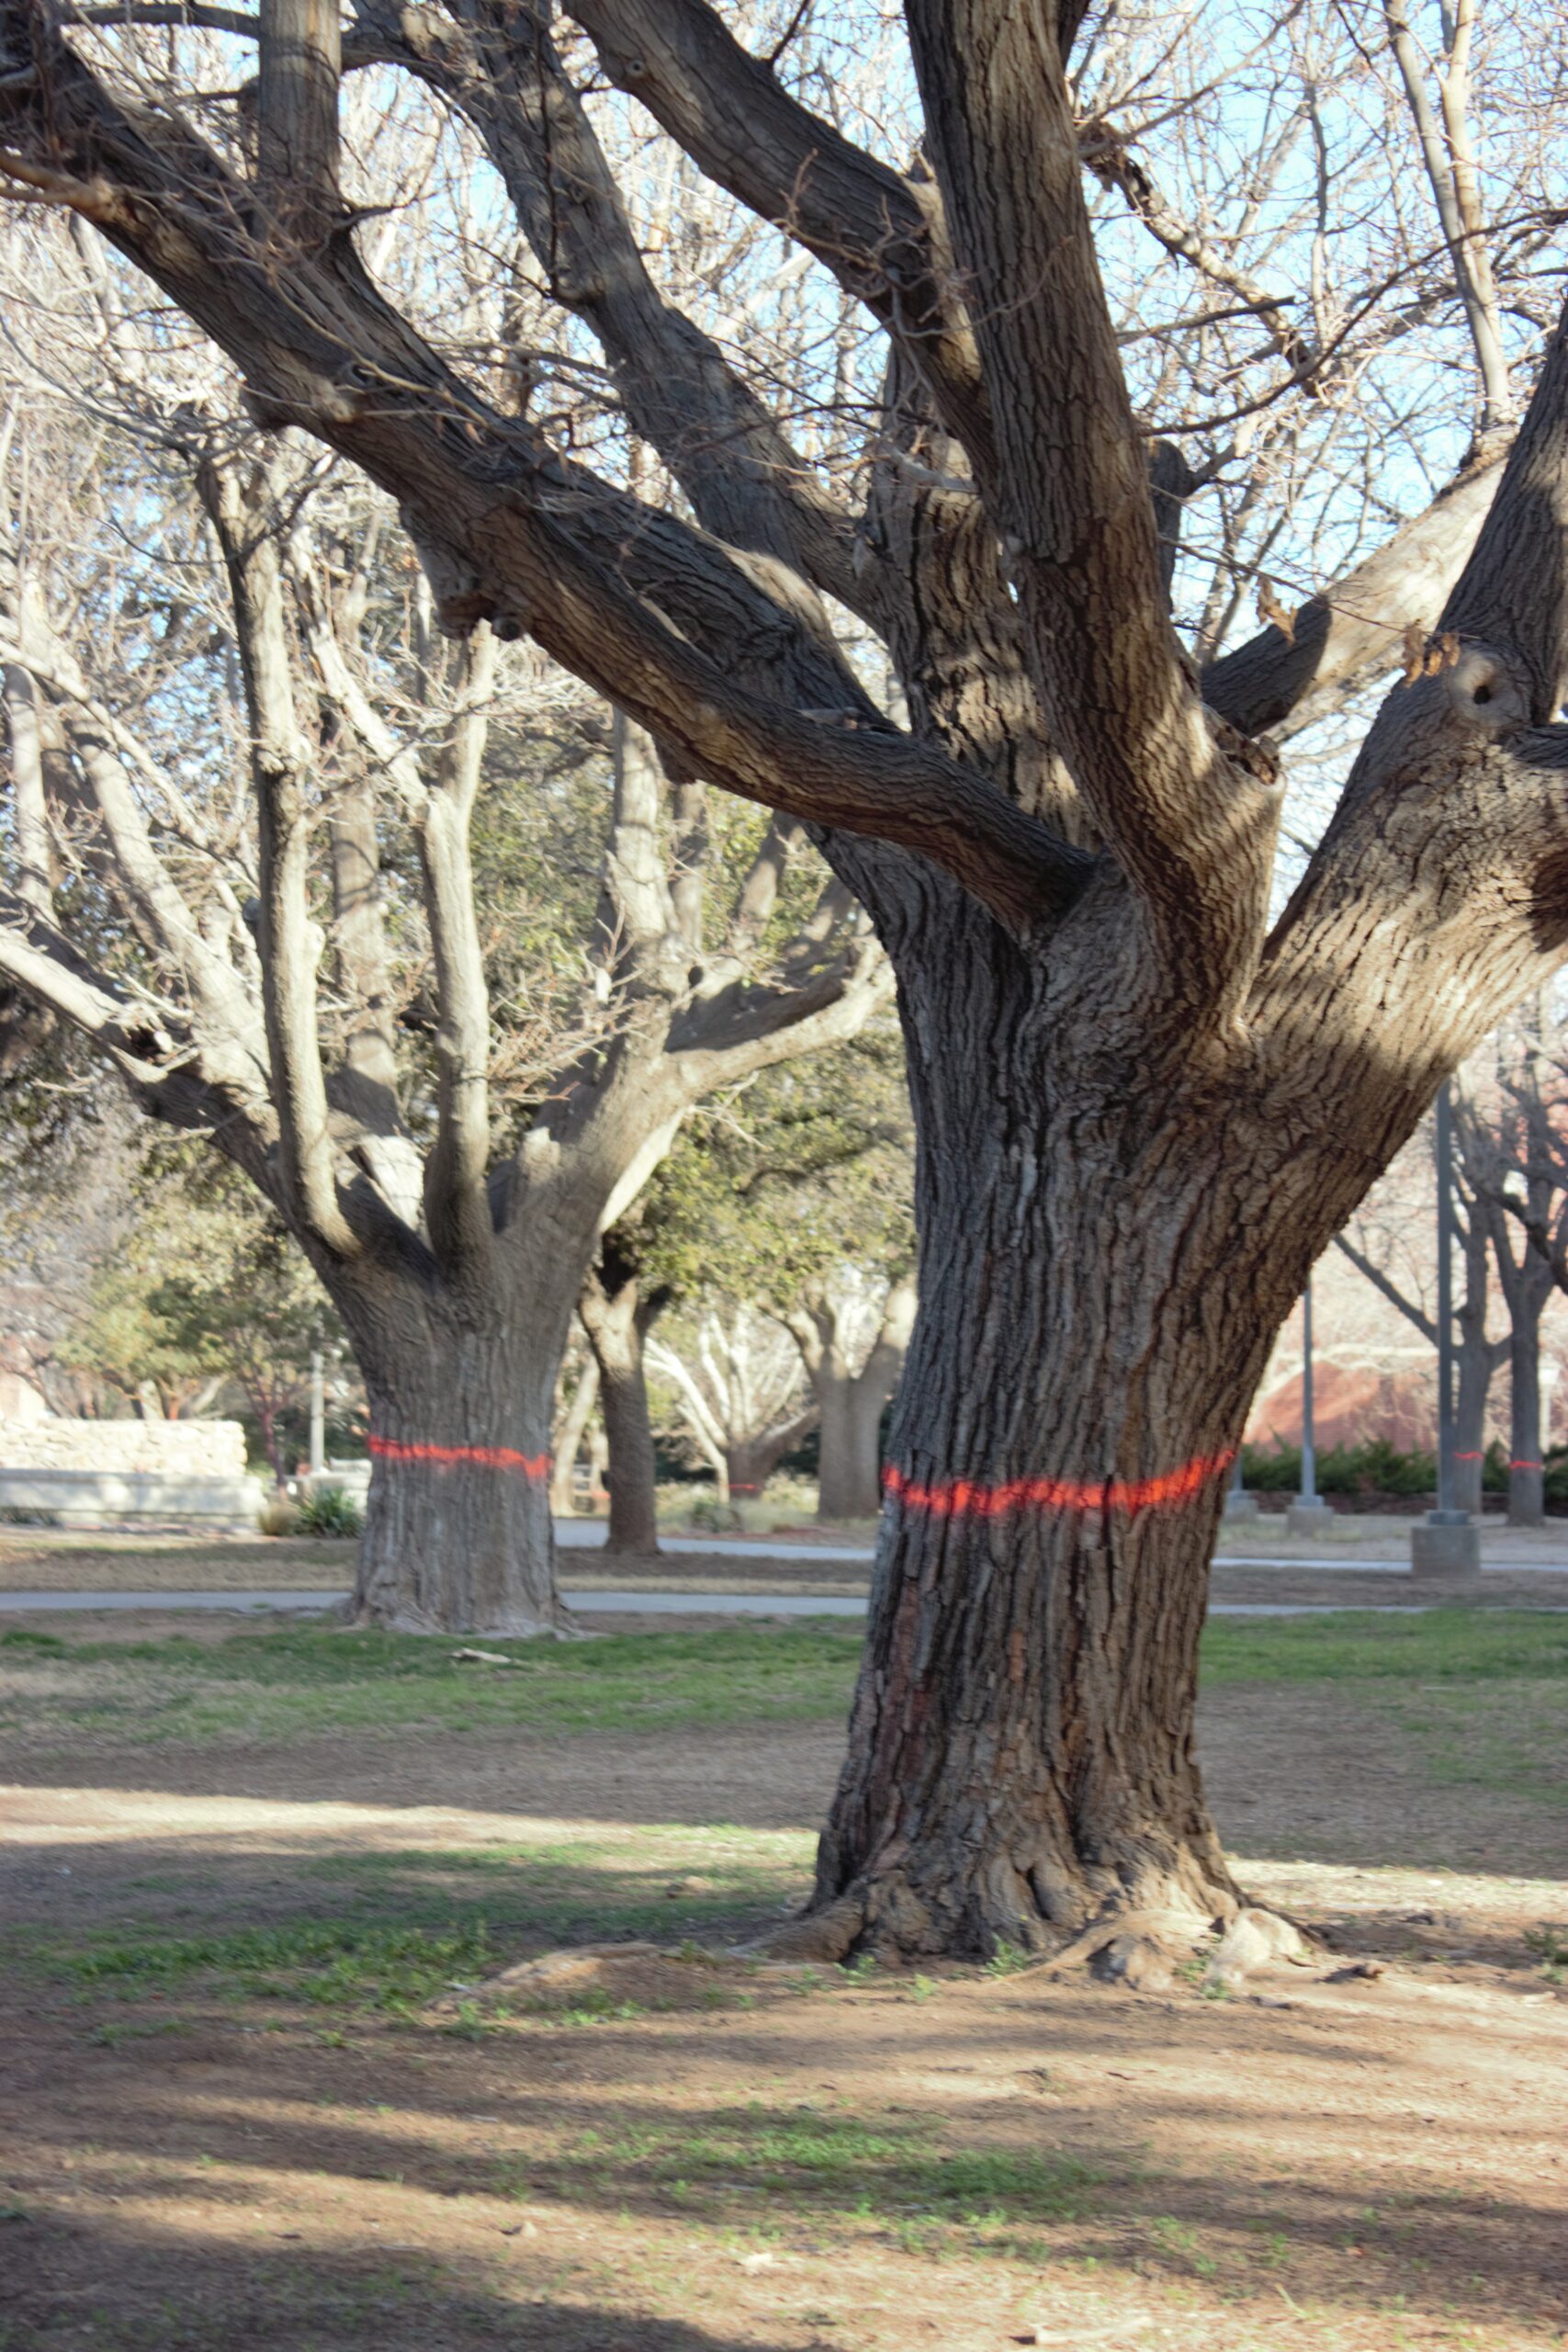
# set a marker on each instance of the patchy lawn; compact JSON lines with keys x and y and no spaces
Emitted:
{"x":259,"y":2090}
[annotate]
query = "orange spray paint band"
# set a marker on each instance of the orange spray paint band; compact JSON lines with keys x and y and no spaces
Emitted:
{"x":533,"y":1466}
{"x":960,"y":1498}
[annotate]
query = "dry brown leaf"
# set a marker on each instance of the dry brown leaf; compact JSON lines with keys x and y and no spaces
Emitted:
{"x":1415,"y":652}
{"x":1269,"y":608}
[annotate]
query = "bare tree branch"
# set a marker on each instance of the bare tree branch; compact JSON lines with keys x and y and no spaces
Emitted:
{"x":290,"y":940}
{"x":1192,"y":827}
{"x":456,"y":1200}
{"x":745,"y":482}
{"x":879,"y":233}
{"x":296,"y":133}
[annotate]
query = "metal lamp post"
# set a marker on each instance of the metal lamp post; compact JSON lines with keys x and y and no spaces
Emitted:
{"x":318,"y":1415}
{"x":1447,"y":1543}
{"x":1308,"y":1514}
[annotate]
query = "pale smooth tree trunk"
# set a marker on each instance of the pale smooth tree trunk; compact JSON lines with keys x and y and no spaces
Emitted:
{"x":850,"y":1403}
{"x":568,"y":1440}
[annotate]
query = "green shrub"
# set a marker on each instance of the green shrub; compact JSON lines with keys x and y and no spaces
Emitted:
{"x":1374,"y":1468}
{"x":330,"y":1511}
{"x":1271,"y":1469}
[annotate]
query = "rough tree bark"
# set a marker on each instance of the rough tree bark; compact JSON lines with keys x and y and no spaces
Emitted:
{"x":850,"y":1405}
{"x":1142,"y":1111}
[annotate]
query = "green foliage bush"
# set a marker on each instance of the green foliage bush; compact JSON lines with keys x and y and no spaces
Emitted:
{"x":1374,"y":1468}
{"x":330,"y":1511}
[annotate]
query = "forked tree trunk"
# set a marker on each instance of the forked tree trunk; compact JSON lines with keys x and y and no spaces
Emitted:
{"x":749,"y":1463}
{"x":458,"y":1536}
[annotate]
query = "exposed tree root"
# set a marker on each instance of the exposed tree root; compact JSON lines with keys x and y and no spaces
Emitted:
{"x":1136,"y":1939}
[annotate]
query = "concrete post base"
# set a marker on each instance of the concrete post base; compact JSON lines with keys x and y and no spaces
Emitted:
{"x":1241,"y":1506}
{"x":1446,"y":1545}
{"x":1308,"y":1518}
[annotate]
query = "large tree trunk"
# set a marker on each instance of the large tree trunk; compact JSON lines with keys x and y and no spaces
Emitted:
{"x":458,"y":1532}
{"x":850,"y":1454}
{"x":1092,"y":1325}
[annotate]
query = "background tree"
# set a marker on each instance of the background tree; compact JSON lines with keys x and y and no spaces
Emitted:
{"x":280,"y":923}
{"x":1510,"y":1110}
{"x":1392,"y":1242}
{"x":736,"y":1385}
{"x":794,"y":1196}
{"x":1143,"y":1100}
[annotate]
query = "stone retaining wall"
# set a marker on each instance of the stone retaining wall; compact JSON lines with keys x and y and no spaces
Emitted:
{"x":180,"y":1450}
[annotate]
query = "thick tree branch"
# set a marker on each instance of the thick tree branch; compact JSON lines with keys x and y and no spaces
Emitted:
{"x":322,"y":350}
{"x":1513,"y":592}
{"x":20,"y":707}
{"x":1192,"y":827}
{"x":296,"y":133}
{"x":1355,"y":631}
{"x":879,"y":233}
{"x":747,"y":484}
{"x":191,"y":1082}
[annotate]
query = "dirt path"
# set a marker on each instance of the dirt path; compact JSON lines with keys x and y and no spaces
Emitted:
{"x":691,"y":2158}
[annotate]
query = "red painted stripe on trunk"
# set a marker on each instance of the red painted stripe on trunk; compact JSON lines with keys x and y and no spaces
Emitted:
{"x":959,"y":1498}
{"x":1527,"y":1465}
{"x":535,"y":1466}
{"x":1469,"y":1457}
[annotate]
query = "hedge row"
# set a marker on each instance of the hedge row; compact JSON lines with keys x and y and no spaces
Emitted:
{"x":1378,"y":1468}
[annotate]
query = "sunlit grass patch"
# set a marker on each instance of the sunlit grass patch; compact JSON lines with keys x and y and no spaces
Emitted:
{"x":336,"y":1964}
{"x":808,"y":2164}
{"x":287,"y":1681}
{"x":1350,"y":1646}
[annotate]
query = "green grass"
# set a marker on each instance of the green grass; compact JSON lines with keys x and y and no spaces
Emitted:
{"x":1444,"y":1645}
{"x":339,"y":1963}
{"x":816,"y":2161}
{"x":389,"y":1930}
{"x":1464,"y":1681}
{"x":287,"y":1681}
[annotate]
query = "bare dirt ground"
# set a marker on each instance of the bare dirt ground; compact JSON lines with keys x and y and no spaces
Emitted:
{"x":696,"y":2157}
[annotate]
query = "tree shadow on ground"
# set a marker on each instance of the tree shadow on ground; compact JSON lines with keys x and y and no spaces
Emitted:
{"x":129,"y":2288}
